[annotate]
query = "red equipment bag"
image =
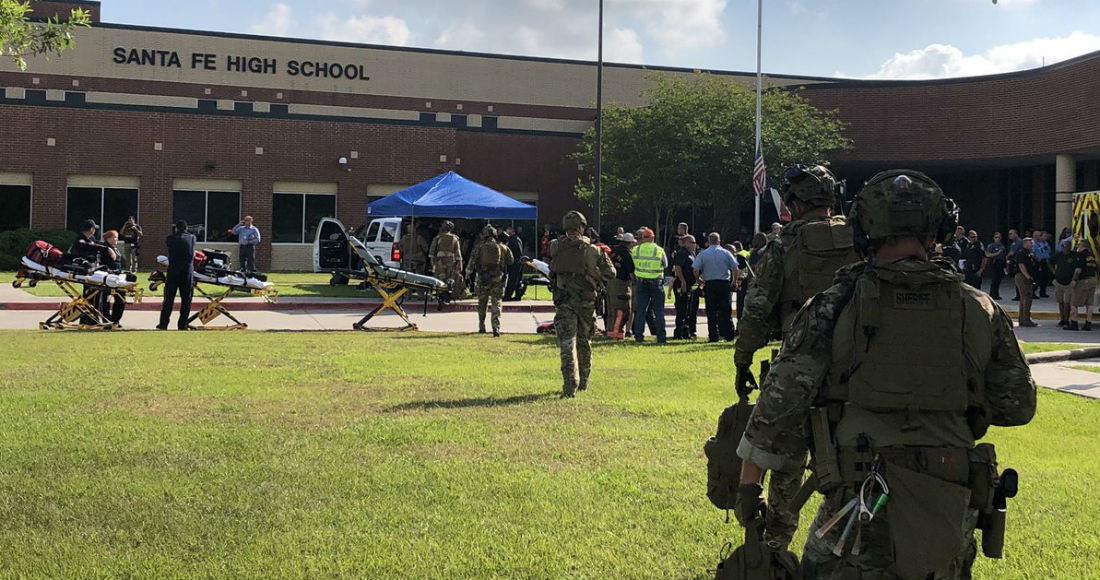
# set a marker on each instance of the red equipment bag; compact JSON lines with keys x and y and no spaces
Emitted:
{"x":200,"y":259}
{"x":44,"y":253}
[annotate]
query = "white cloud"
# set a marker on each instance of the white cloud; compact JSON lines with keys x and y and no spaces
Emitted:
{"x":622,"y":45}
{"x":945,"y":60}
{"x":462,"y":36}
{"x":797,"y":8}
{"x":364,"y":29}
{"x":277,"y":21}
{"x":680,"y":24}
{"x":546,"y":4}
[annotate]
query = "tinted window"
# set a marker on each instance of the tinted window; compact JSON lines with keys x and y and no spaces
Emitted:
{"x":15,"y":207}
{"x":223,"y":211}
{"x":286,"y":218}
{"x":372,"y":232}
{"x":118,"y":204}
{"x":389,"y":232}
{"x":190,"y":206}
{"x":83,"y":203}
{"x":317,"y":207}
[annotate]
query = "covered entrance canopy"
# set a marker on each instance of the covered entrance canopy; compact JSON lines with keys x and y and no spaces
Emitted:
{"x":451,"y":196}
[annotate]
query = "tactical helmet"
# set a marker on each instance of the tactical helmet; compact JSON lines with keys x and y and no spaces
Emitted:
{"x":902,"y":202}
{"x":488,"y":231}
{"x":448,"y":226}
{"x":573,"y":221}
{"x":813,"y":186}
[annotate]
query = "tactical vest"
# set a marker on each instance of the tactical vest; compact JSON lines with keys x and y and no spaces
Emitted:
{"x":488,"y":257}
{"x":647,"y":261}
{"x":448,"y":242}
{"x":902,"y":348}
{"x":813,"y":252}
{"x":568,"y":256}
{"x":569,"y":268}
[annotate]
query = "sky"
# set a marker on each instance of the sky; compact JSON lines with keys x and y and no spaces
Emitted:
{"x":860,"y":39}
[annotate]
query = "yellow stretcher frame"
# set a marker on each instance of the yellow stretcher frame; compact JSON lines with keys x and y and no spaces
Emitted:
{"x":79,"y":306}
{"x":391,"y":293}
{"x":214,"y":308}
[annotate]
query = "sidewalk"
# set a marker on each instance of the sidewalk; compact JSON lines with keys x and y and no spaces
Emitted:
{"x":1062,"y":376}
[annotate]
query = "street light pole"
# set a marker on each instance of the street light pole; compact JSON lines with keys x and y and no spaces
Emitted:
{"x":599,"y":125}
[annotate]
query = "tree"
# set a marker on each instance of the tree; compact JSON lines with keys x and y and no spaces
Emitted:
{"x":21,"y":38}
{"x":694,"y":146}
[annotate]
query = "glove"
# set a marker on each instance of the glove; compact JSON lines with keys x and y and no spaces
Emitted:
{"x":750,"y":503}
{"x":744,"y":382}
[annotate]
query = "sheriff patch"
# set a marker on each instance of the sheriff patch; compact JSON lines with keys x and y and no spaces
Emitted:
{"x":913,"y":300}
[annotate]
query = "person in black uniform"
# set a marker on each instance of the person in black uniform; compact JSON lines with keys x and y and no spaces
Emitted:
{"x":181,"y":266}
{"x":87,"y":248}
{"x":515,"y":271}
{"x":683,"y":284}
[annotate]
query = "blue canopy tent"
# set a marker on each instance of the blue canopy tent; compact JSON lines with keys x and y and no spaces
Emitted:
{"x":451,"y":196}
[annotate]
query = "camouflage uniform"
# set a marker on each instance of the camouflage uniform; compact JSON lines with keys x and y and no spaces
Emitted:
{"x":414,"y":252}
{"x":446,"y":254}
{"x":817,"y":358}
{"x":781,"y":285}
{"x":577,"y":269}
{"x":490,"y":278}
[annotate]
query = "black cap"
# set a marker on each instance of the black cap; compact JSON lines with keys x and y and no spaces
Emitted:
{"x":88,"y":224}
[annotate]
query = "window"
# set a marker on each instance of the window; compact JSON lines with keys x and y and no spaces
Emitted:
{"x":210,"y":215}
{"x":15,"y":207}
{"x":108,"y":206}
{"x":295,"y":216}
{"x":389,"y":232}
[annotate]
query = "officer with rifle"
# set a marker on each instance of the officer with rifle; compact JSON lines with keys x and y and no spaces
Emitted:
{"x":896,"y":371}
{"x":793,"y":267}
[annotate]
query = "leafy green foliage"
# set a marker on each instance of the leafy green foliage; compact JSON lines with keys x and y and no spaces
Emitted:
{"x":694,"y":145}
{"x":20,"y":37}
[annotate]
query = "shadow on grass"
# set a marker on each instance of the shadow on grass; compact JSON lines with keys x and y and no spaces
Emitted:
{"x":467,"y":403}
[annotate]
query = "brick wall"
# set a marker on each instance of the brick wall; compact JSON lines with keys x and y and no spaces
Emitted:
{"x":61,"y":9}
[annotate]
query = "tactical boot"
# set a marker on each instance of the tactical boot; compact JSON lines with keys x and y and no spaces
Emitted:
{"x":496,"y":333}
{"x":1063,"y":322}
{"x":481,"y":330}
{"x":1072,"y":326}
{"x":1087,"y":326}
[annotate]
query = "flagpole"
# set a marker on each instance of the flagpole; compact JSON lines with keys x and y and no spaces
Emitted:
{"x":759,"y":85}
{"x":599,"y":125}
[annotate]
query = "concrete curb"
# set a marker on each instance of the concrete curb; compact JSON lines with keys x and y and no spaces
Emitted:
{"x":411,"y":306}
{"x":1063,"y":355}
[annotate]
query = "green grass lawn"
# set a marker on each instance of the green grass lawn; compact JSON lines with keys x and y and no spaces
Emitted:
{"x":352,"y":455}
{"x":1090,"y":368}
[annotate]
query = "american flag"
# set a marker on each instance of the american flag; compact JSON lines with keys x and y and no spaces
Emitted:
{"x":759,"y":174}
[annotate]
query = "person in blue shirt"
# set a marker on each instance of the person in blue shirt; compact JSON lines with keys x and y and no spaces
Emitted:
{"x":717,"y":269}
{"x":995,"y":253}
{"x":248,"y":236}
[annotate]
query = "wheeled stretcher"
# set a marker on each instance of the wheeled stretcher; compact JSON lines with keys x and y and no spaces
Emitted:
{"x":82,"y":311}
{"x":214,"y":272}
{"x":392,"y":285}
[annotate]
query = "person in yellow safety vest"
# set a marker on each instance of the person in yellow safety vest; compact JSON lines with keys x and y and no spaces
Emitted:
{"x":650,"y":262}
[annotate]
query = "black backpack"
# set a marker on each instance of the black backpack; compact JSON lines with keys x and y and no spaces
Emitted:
{"x":723,"y":464}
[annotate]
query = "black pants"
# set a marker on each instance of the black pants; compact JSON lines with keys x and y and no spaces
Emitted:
{"x":719,"y":311}
{"x":741,"y":299}
{"x":515,"y":274}
{"x":971,"y":277}
{"x":248,"y":258}
{"x":172,"y":284}
{"x":995,"y":282}
{"x":687,"y":310}
{"x":118,"y":306}
{"x":1043,"y":276}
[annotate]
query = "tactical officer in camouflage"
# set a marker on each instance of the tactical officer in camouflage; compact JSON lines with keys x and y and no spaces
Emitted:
{"x":490,"y":259}
{"x":793,"y":267}
{"x":577,"y":271}
{"x":896,"y":371}
{"x":446,"y":255}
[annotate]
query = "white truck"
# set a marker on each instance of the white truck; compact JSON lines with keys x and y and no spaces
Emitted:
{"x":331,"y":252}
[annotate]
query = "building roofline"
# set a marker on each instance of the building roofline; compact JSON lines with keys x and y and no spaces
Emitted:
{"x":815,"y":81}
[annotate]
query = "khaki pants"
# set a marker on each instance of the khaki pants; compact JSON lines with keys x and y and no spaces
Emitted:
{"x":1023,"y":286}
